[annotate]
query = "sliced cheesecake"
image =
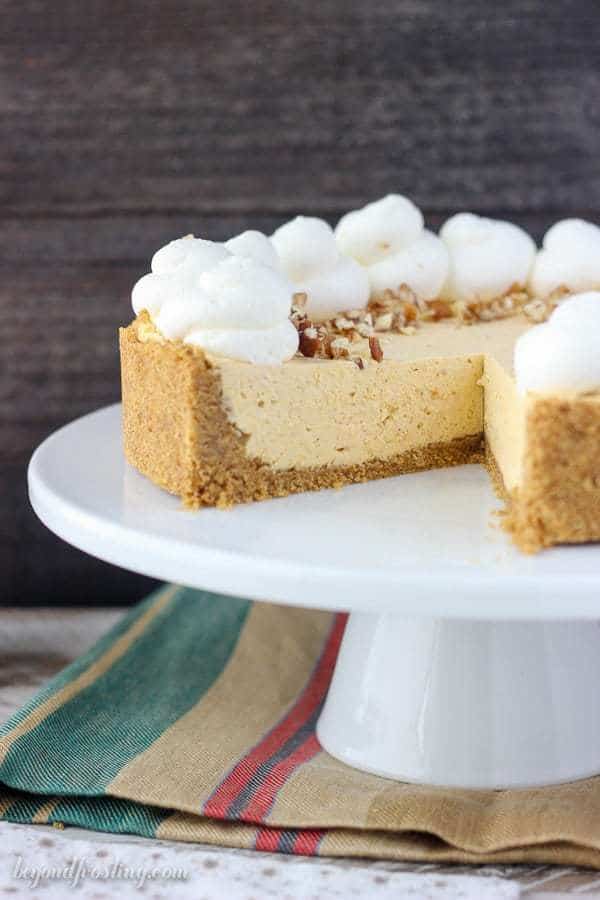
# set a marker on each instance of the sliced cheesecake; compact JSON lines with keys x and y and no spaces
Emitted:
{"x":219,"y":431}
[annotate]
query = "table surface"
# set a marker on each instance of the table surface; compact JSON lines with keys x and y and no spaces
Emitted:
{"x":35,"y":644}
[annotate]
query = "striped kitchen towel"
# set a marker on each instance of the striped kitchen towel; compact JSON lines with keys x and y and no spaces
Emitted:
{"x":194,"y":720}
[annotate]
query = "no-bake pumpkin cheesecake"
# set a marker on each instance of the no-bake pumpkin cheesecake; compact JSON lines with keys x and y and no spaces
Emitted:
{"x":263,"y":367}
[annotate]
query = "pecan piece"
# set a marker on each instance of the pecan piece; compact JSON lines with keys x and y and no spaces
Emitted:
{"x":439,"y":309}
{"x":309,"y":341}
{"x":339,"y":348}
{"x":375,"y":348}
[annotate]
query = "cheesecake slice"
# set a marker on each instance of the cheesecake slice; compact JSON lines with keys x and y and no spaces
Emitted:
{"x":219,"y":431}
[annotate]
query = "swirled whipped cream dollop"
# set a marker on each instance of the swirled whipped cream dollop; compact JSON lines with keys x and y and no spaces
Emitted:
{"x":310,"y":258}
{"x":569,"y":259}
{"x":487,"y":257}
{"x":388,"y":237}
{"x":564,"y":352}
{"x":230,"y":299}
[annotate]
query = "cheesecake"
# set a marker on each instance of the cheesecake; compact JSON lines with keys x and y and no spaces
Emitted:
{"x":266,"y":367}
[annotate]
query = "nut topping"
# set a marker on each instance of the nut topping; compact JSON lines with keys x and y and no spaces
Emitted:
{"x":309,"y":341}
{"x":401,"y":312}
{"x":340,"y":348}
{"x":375,"y":348}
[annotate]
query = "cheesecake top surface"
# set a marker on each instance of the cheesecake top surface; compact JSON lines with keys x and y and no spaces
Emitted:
{"x":433,"y":340}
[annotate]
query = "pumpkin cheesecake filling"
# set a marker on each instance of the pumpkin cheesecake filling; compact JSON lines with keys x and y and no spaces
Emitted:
{"x":318,"y":412}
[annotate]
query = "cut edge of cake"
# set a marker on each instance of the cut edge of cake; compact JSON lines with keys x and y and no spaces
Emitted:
{"x":558,"y":500}
{"x":177,"y":433}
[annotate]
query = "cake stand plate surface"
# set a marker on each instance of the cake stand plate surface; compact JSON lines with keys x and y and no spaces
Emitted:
{"x":464,"y":662}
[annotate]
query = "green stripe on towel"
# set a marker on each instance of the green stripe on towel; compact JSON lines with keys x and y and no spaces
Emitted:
{"x":109,"y":814}
{"x":24,"y":807}
{"x":82,"y":662}
{"x":164,"y":672}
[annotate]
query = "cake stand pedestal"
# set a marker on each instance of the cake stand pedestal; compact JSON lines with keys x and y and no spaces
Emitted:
{"x":464,"y":662}
{"x":466,"y":703}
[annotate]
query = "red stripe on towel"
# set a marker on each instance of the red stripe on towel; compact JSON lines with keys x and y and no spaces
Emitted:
{"x":265,"y":794}
{"x":307,"y":842}
{"x":312,"y":695}
{"x":267,"y":839}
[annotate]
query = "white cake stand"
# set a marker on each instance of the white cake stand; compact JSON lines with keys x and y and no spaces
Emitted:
{"x":464,"y":662}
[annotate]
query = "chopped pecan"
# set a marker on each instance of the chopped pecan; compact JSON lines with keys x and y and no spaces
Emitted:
{"x":339,"y":348}
{"x":410,"y":312}
{"x":342,"y":323}
{"x":309,"y":341}
{"x":538,"y":310}
{"x":384,"y":322}
{"x":375,"y":348}
{"x":439,"y":309}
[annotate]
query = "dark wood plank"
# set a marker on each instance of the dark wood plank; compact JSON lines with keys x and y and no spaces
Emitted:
{"x":116,"y":239}
{"x":186,"y":106}
{"x":59,"y":361}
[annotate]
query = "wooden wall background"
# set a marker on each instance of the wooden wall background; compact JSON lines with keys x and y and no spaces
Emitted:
{"x":126,"y":123}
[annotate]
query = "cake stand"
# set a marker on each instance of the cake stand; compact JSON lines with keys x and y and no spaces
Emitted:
{"x":464,"y":662}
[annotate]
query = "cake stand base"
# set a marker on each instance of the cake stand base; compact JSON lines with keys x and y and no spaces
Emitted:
{"x":460,"y":703}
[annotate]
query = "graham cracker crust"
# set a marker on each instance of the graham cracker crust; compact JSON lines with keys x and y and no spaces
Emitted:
{"x":558,"y":501}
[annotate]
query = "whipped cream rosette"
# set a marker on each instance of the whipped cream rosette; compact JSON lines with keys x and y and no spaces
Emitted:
{"x":230,"y":299}
{"x":564,"y":352}
{"x":389,"y":239}
{"x":310,"y":258}
{"x":487,"y":257}
{"x":569,"y":259}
